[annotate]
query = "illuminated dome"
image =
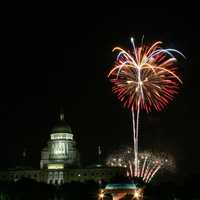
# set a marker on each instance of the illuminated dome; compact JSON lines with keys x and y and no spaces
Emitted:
{"x":61,"y":151}
{"x":61,"y":127}
{"x":117,"y":186}
{"x":119,"y":190}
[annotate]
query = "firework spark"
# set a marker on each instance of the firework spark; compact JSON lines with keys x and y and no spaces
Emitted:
{"x":149,"y":164}
{"x":144,"y":79}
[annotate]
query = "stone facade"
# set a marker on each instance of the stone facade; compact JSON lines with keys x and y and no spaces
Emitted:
{"x":59,"y":177}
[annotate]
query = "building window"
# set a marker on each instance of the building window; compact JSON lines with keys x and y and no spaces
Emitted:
{"x":61,"y":174}
{"x":56,"y":175}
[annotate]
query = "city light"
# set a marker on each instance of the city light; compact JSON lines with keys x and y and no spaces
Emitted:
{"x":56,"y":166}
{"x":137,"y":194}
{"x":101,"y":195}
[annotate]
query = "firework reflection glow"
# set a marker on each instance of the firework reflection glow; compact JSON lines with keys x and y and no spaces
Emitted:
{"x":149,"y":164}
{"x":144,"y":79}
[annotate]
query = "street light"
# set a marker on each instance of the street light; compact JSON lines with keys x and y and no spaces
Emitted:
{"x":137,"y":194}
{"x":101,"y":195}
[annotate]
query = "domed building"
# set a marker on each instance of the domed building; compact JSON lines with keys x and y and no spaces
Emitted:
{"x":60,"y":162}
{"x":61,"y":151}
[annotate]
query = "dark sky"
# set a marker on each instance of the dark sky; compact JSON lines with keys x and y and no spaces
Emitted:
{"x":52,"y":61}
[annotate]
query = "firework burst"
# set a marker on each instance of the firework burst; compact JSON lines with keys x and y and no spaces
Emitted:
{"x":149,"y":164}
{"x":143,"y":79}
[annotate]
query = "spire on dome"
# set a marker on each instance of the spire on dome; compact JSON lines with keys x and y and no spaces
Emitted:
{"x":62,"y":115}
{"x":61,"y":126}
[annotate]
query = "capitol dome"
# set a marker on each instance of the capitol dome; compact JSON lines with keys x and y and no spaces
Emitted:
{"x":61,"y":150}
{"x":61,"y":126}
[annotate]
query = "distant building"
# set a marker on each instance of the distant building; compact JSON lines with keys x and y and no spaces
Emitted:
{"x":61,"y":151}
{"x":60,"y":162}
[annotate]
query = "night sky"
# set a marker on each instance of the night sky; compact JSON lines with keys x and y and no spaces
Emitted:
{"x":50,"y":62}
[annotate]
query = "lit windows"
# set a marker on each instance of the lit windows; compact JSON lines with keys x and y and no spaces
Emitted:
{"x":56,"y":166}
{"x":61,"y":136}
